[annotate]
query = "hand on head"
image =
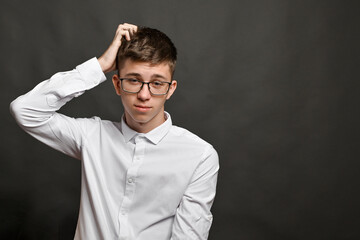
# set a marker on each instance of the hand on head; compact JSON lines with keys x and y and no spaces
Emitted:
{"x":108,"y":58}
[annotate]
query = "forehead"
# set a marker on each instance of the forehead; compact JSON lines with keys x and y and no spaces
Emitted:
{"x":144,"y":69}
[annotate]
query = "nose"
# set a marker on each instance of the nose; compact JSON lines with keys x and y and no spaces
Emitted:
{"x":144,"y":93}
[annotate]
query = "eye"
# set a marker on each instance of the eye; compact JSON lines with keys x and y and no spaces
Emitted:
{"x":157,"y":84}
{"x":132,"y":81}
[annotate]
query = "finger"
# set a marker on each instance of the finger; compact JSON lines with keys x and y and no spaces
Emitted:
{"x":126,"y":35}
{"x":122,"y":28}
{"x":131,"y":31}
{"x":125,"y":30}
{"x":131,"y":27}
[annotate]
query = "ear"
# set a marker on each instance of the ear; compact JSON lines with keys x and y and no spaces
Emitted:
{"x":116,"y":82}
{"x":172,"y":89}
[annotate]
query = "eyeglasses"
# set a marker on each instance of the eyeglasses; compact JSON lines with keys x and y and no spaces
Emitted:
{"x":132,"y":85}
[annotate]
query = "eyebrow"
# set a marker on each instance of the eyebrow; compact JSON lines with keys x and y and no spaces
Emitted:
{"x":132,"y":74}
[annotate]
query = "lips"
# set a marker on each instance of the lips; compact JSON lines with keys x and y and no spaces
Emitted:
{"x":142,"y":108}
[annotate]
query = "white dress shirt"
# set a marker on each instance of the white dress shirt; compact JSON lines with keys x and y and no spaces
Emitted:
{"x":153,"y":186}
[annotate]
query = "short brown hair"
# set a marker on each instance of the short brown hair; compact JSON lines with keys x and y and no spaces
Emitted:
{"x":148,"y":45}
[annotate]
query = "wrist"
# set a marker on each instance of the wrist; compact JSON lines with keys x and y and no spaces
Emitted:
{"x":101,"y":63}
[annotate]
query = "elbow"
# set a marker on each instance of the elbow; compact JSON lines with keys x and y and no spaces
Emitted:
{"x":17,"y":110}
{"x":29,"y":114}
{"x":24,"y":114}
{"x":16,"y":107}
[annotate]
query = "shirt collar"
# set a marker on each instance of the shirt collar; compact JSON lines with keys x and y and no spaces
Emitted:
{"x":154,"y":135}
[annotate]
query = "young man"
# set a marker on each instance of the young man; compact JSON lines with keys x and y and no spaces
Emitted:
{"x":142,"y":178}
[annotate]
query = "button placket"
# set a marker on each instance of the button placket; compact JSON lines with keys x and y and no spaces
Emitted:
{"x":130,"y":183}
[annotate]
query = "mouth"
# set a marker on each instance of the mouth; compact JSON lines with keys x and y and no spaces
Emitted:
{"x":142,"y":108}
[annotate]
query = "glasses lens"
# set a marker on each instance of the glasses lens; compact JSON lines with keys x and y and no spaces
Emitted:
{"x":131,"y":85}
{"x":159,"y":88}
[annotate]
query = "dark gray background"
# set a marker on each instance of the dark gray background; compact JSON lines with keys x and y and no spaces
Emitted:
{"x":273,"y":85}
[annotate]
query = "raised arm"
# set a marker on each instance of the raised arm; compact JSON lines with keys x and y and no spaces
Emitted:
{"x":36,"y":111}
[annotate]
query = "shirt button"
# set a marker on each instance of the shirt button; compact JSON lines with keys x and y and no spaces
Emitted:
{"x":130,"y":180}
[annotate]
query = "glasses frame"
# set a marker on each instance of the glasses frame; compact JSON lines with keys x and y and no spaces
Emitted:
{"x":142,"y":85}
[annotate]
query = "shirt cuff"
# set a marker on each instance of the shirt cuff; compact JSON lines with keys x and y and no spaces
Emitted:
{"x":91,"y":71}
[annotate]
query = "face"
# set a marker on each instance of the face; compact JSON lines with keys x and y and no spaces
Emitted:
{"x":143,"y":111}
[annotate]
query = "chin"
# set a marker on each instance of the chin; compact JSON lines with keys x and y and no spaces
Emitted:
{"x":141,"y":118}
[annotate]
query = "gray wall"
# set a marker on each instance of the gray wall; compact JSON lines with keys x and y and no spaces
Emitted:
{"x":273,"y":85}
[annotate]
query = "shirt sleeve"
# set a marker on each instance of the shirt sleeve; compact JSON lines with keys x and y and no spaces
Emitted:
{"x":35,"y":111}
{"x":193,"y":218}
